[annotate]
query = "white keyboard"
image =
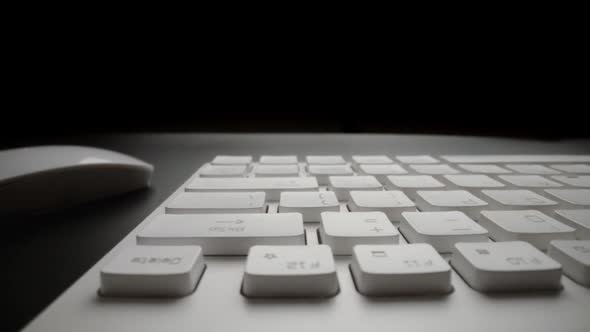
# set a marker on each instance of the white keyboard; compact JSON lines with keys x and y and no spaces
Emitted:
{"x":360,"y":242}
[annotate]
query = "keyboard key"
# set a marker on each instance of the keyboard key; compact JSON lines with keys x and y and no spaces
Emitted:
{"x":342,"y":231}
{"x":441,"y":229}
{"x":574,"y":256}
{"x":452,"y":200}
{"x":472,"y":181}
{"x":573,"y":180}
{"x":325,"y":160}
{"x":418,"y":159}
{"x":484,"y":168}
{"x":271,"y":186}
{"x":392,"y":203}
{"x":309,"y":204}
{"x":532,"y":169}
{"x":290,"y":271}
{"x":381,"y":270}
{"x":323,"y":172}
{"x":220,"y":202}
{"x":278,"y":160}
{"x":573,"y":168}
{"x":153,"y":271}
{"x":410,"y":184}
{"x":341,"y":185}
{"x":212,"y":171}
{"x":531,"y":182}
{"x":439,"y":169}
{"x":531,"y":226}
{"x":372,"y":159}
{"x":224,"y":234}
{"x":516,"y":158}
{"x":518,"y":200}
{"x":380,"y":172}
{"x":505,"y":266}
{"x":578,"y":219}
{"x":232,"y":160}
{"x":276,"y":170}
{"x":575,"y":198}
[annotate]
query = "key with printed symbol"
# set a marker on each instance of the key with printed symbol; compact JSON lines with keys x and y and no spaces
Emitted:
{"x":232,"y":160}
{"x":573,"y":198}
{"x":417,"y":159}
{"x":371,"y":160}
{"x":390,"y":202}
{"x":472,"y":181}
{"x":452,"y":200}
{"x":505,"y":266}
{"x":582,"y":181}
{"x":578,"y":219}
{"x":441,"y":229}
{"x":572,"y":168}
{"x":531,"y":226}
{"x":531,"y":182}
{"x":323,"y":172}
{"x":342,"y":231}
{"x":224,"y":234}
{"x":411,"y":269}
{"x":276,"y":170}
{"x":438,"y":169}
{"x":381,"y":171}
{"x":484,"y":168}
{"x":532,"y":169}
{"x":574,"y":256}
{"x":213,"y":171}
{"x":271,"y":186}
{"x":217,"y":202}
{"x":341,"y":185}
{"x":309,"y":204}
{"x":518,"y":200}
{"x":290,"y":271}
{"x":278,"y":160}
{"x":325,"y":160}
{"x":153,"y":271}
{"x":410,"y":184}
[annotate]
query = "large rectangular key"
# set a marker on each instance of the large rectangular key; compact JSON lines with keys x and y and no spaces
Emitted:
{"x":219,"y":202}
{"x":271,"y":186}
{"x":224,"y":234}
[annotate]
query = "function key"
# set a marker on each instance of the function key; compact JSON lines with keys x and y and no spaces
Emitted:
{"x":232,"y":160}
{"x":278,"y":160}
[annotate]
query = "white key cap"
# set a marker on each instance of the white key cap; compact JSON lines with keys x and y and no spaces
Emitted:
{"x":232,"y":160}
{"x":532,"y":169}
{"x":484,"y":168}
{"x":278,"y":160}
{"x":578,"y":219}
{"x":518,"y":200}
{"x":531,"y":182}
{"x":441,"y":229}
{"x":452,"y":200}
{"x":153,"y":271}
{"x":309,"y":204}
{"x":341,"y":185}
{"x":505,"y":266}
{"x":372,"y":159}
{"x":516,"y":158}
{"x":531,"y":226}
{"x":224,"y":234}
{"x":381,"y":171}
{"x":439,"y":169}
{"x":325,"y":160}
{"x":472,"y":181}
{"x":418,"y":159}
{"x":410,"y":184}
{"x":212,"y":171}
{"x":392,"y":203}
{"x":381,"y":270}
{"x":290,"y":271}
{"x":271,"y":186}
{"x":574,"y":256}
{"x":220,"y":202}
{"x":573,"y":168}
{"x":276,"y":170}
{"x":574,"y":198}
{"x":323,"y":172}
{"x":573,"y":180}
{"x":342,"y":231}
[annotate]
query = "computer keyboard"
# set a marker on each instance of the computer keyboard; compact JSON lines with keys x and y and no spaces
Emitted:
{"x":280,"y":242}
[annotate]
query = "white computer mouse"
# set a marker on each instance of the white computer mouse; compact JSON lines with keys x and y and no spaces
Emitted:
{"x":42,"y":178}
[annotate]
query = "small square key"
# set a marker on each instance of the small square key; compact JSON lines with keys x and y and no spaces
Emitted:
{"x":573,"y":168}
{"x":532,"y":182}
{"x":325,"y":160}
{"x":417,"y":159}
{"x":532,"y":169}
{"x":411,"y":269}
{"x":232,"y":160}
{"x":582,"y":181}
{"x":371,"y":159}
{"x":441,"y":229}
{"x":278,"y":160}
{"x":290,"y":271}
{"x":505,"y":266}
{"x":484,"y":168}
{"x":323,"y":172}
{"x":341,"y":185}
{"x":578,"y":219}
{"x":410,"y":184}
{"x":518,"y":200}
{"x":573,"y":198}
{"x":309,"y":204}
{"x":525,"y":225}
{"x":392,"y":203}
{"x":276,"y":170}
{"x":223,"y":171}
{"x":342,"y":231}
{"x":472,"y":181}
{"x":438,"y":169}
{"x":153,"y":271}
{"x":452,"y":200}
{"x":574,"y":256}
{"x":217,"y":202}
